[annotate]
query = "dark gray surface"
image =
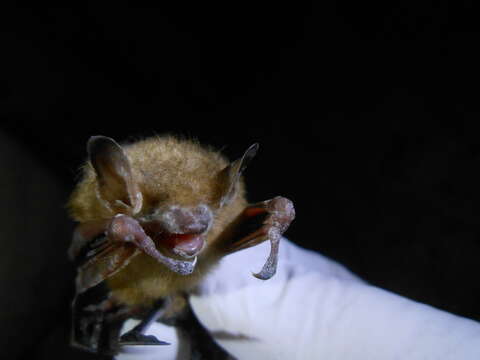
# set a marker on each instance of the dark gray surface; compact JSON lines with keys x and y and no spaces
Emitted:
{"x":395,"y":199}
{"x":35,"y":277}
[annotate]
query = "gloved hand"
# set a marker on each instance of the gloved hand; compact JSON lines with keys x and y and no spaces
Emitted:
{"x":314,"y":308}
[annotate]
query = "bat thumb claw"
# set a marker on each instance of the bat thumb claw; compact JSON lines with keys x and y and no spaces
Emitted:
{"x":266,"y":273}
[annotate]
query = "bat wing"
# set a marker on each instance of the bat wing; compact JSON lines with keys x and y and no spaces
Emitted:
{"x":121,"y":239}
{"x":266,"y":220}
{"x":99,"y":250}
{"x":103,"y":262}
{"x":97,"y":255}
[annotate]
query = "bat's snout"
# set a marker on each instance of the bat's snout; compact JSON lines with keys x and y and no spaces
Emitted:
{"x":186,"y":220}
{"x":180,"y":230}
{"x":190,"y":220}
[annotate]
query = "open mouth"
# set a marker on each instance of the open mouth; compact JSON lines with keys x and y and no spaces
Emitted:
{"x":177,"y":246}
{"x":177,"y":233}
{"x":178,"y":251}
{"x":175,"y":251}
{"x":184,"y":246}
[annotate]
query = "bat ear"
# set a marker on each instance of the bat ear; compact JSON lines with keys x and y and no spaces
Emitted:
{"x":231,"y":174}
{"x":116,"y":185}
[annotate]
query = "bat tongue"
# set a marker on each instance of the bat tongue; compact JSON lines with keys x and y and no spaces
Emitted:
{"x":185,"y":245}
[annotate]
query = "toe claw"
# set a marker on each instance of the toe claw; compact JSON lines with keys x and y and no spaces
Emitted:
{"x":135,"y":338}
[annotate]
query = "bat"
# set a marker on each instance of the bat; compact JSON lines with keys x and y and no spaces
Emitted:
{"x":154,"y":216}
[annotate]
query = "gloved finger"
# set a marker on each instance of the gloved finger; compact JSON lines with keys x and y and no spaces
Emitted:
{"x":258,"y":319}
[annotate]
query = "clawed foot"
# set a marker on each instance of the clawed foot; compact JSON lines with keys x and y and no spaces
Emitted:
{"x":137,"y":338}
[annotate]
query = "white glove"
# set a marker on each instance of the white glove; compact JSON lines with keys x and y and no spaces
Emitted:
{"x":314,"y":308}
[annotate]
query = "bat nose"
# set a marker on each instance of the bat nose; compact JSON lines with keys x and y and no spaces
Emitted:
{"x":192,"y":220}
{"x":184,"y":220}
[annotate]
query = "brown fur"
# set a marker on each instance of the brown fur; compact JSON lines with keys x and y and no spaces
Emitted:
{"x":168,"y":171}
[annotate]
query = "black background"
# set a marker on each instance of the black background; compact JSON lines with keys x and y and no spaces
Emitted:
{"x":366,"y":114}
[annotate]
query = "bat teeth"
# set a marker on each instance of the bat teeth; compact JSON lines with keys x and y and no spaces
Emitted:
{"x":182,"y":267}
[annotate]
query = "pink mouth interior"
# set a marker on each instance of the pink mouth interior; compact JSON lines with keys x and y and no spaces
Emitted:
{"x":188,"y":244}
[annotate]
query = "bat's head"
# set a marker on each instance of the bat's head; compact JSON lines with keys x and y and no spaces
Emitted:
{"x":181,"y":194}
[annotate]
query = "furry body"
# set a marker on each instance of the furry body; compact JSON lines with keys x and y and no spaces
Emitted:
{"x":168,"y":171}
{"x":154,"y":217}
